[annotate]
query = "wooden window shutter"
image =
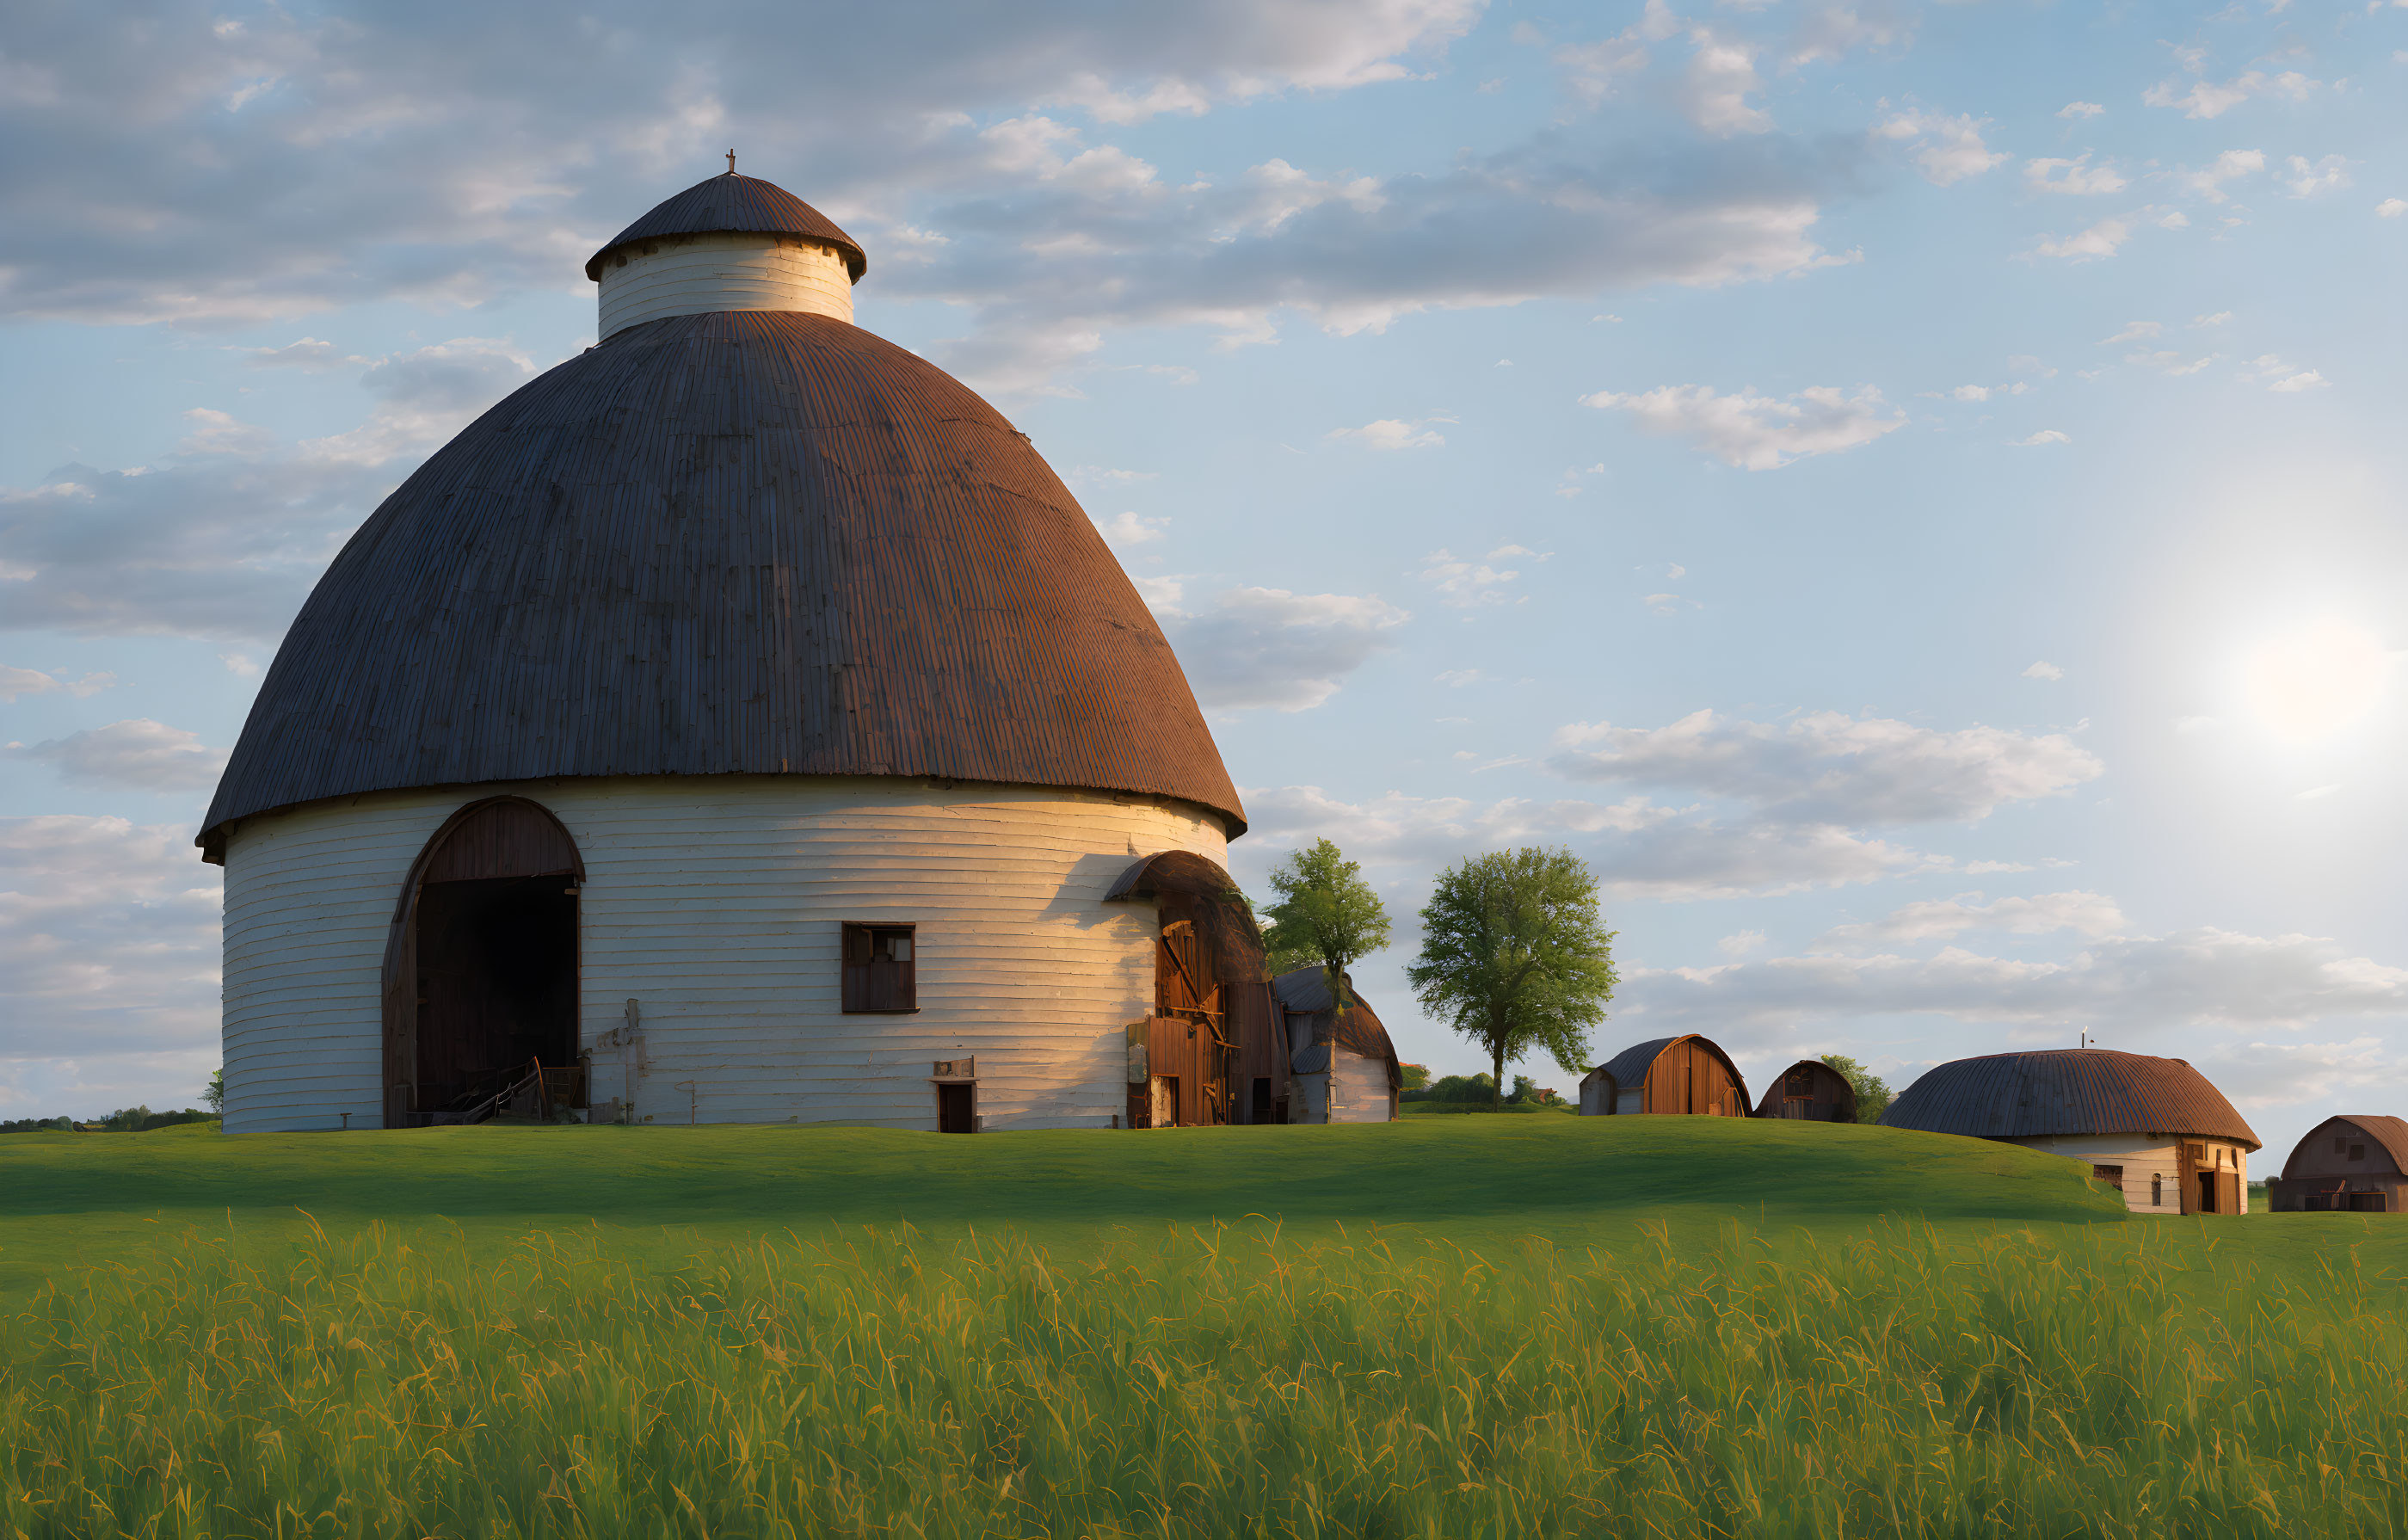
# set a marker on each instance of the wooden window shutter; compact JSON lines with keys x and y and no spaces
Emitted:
{"x":880,"y":968}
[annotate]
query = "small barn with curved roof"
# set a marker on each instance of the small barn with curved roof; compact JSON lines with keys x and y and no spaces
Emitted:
{"x":2153,"y":1129}
{"x":2355,"y":1163}
{"x":1683,"y":1075}
{"x":741,"y":722}
{"x":1810,"y":1091}
{"x":1341,"y":1065}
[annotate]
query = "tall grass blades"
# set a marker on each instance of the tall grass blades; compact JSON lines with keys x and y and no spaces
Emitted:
{"x":1206,"y":1383}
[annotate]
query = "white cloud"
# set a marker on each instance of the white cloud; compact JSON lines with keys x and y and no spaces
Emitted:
{"x":2279,"y":375}
{"x":2045,"y":436}
{"x":109,"y":945}
{"x":2080,"y":110}
{"x":1949,"y":150}
{"x":17,"y":682}
{"x":307,"y":354}
{"x":1758,"y":431}
{"x":2391,"y":208}
{"x":1830,"y":768}
{"x":2135,"y":986}
{"x":1270,"y":648}
{"x":1640,"y":849}
{"x":1464,"y":583}
{"x":2324,"y":175}
{"x":225,"y":542}
{"x":1390,"y":433}
{"x":1094,"y":478}
{"x":2100,"y":240}
{"x":1131,"y":530}
{"x":1741,"y":944}
{"x":2134,"y":331}
{"x":138,"y":754}
{"x":2217,"y":319}
{"x":2166,"y":361}
{"x":2092,"y":914}
{"x":2076,"y":177}
{"x":2208,"y":182}
{"x":1720,"y":78}
{"x":2209,"y":99}
{"x":2044,"y":669}
{"x":1456,"y":679}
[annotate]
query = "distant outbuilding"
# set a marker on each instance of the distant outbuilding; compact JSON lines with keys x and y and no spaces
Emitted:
{"x":1811,"y":1091}
{"x":2356,"y":1164}
{"x":1687,"y":1074}
{"x":1341,"y":1065}
{"x":2152,"y":1128}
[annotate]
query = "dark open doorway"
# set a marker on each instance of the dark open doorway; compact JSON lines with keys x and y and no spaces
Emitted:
{"x":497,"y":987}
{"x":481,"y":987}
{"x":956,"y":1107}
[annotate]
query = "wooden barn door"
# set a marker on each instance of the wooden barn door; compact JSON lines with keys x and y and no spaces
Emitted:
{"x":1186,"y":991}
{"x":482,"y":965}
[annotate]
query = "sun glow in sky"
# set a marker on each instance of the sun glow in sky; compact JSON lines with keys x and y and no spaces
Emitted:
{"x":2306,"y":685}
{"x":1754,"y":446}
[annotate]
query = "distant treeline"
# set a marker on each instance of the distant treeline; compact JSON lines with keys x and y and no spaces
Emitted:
{"x":124,"y":1120}
{"x":1473,"y":1087}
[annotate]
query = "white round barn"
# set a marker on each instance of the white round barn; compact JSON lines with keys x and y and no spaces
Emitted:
{"x":741,"y":722}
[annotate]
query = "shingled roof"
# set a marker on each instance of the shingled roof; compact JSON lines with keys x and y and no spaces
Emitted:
{"x":752,"y":542}
{"x":734,"y":205}
{"x":2065,"y":1092}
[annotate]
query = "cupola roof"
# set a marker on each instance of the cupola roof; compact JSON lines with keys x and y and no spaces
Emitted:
{"x":728,"y":203}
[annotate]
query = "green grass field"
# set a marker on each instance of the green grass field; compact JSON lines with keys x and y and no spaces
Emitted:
{"x":1457,"y":1326}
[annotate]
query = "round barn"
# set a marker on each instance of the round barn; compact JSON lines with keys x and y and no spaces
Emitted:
{"x":1811,"y":1091}
{"x":2356,"y":1164}
{"x":2153,"y":1129}
{"x":1688,"y":1074}
{"x":739,"y":722}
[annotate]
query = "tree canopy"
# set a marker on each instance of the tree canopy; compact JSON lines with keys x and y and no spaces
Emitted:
{"x":1327,"y":914}
{"x":1514,"y":956}
{"x":1872,"y":1091}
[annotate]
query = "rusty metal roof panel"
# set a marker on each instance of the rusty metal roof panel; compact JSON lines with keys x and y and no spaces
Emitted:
{"x":748,"y":542}
{"x":2066,"y":1091}
{"x":734,"y":205}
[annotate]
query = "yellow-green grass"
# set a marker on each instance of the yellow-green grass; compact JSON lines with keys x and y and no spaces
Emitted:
{"x":1504,"y":1326}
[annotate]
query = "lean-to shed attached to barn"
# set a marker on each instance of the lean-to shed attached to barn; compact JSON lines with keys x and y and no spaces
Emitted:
{"x":2356,"y":1164}
{"x":1688,"y":1074}
{"x":1811,"y":1091}
{"x":1341,"y":1065}
{"x":740,"y":721}
{"x":2152,"y":1128}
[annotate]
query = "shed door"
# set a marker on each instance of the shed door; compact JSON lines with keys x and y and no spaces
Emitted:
{"x":1186,"y":991}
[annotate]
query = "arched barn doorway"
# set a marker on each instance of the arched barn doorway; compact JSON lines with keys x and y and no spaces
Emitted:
{"x":1207,"y":1052}
{"x":481,"y":969}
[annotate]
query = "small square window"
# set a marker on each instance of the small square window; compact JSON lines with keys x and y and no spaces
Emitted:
{"x":2358,"y":1152}
{"x":880,"y":972}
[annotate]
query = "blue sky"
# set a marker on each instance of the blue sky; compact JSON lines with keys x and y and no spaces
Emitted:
{"x":1904,"y":491}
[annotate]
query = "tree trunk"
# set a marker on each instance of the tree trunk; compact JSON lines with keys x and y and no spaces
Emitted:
{"x":1497,"y":1056}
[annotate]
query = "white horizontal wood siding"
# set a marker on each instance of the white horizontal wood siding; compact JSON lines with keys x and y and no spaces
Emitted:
{"x":716,"y":903}
{"x":1358,"y":1090}
{"x":698,"y":275}
{"x":2146,"y":1155}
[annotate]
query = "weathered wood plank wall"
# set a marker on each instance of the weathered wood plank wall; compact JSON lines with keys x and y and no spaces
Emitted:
{"x":716,"y":903}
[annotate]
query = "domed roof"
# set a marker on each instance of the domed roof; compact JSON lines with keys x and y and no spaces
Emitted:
{"x":741,"y":204}
{"x":755,"y":541}
{"x":2066,"y":1091}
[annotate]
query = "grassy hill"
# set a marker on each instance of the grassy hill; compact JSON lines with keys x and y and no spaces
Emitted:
{"x":1453,"y":1326}
{"x":1472,"y":1179}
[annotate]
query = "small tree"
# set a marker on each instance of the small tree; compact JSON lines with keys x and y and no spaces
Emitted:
{"x":215,"y":1094}
{"x":1514,"y":956}
{"x":1872,"y":1091}
{"x":1326,"y":914}
{"x":1416,"y":1077}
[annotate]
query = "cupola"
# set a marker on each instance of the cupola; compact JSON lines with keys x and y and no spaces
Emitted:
{"x":730,"y":243}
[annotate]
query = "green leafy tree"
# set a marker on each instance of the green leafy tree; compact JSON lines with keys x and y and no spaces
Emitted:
{"x":1872,"y":1091}
{"x":1514,"y":957}
{"x":1327,"y":914}
{"x":1416,"y":1077}
{"x":215,"y":1094}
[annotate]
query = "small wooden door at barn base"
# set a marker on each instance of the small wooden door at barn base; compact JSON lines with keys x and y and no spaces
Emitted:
{"x":1163,"y":1109}
{"x":956,"y":1107}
